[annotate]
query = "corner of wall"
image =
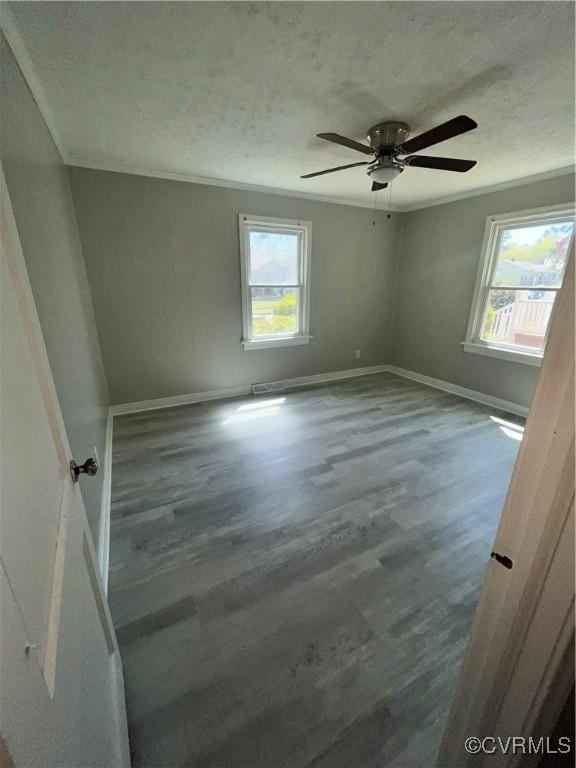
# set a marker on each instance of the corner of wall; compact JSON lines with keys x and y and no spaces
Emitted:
{"x":399,"y":251}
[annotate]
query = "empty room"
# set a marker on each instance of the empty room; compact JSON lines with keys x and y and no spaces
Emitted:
{"x":287,"y":384}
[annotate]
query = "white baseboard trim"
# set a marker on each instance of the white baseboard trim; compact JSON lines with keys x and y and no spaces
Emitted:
{"x":222,"y":394}
{"x":172,"y":402}
{"x":104,"y":532}
{"x":455,"y":389}
{"x":319,"y":378}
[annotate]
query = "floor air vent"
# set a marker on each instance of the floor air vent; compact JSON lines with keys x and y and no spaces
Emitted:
{"x":268,"y":386}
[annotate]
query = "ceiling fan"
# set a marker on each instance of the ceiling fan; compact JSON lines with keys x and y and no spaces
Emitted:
{"x":388,"y":141}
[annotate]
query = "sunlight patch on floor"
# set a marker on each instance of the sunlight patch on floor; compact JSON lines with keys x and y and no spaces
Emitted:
{"x":509,"y":428}
{"x":257,"y":410}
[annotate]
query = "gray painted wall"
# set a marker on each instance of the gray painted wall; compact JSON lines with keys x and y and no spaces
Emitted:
{"x":164,"y":268}
{"x":40,"y":193}
{"x":437,"y":268}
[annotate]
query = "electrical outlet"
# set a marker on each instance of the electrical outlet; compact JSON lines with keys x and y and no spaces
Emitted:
{"x":357,"y":354}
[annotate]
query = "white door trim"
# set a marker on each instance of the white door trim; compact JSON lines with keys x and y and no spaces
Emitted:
{"x":105,"y":509}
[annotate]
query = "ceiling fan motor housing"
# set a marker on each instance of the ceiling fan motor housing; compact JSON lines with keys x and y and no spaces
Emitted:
{"x":386,"y":136}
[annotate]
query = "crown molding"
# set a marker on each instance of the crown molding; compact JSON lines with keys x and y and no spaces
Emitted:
{"x":18,"y":47}
{"x":566,"y":170}
{"x":80,"y":162}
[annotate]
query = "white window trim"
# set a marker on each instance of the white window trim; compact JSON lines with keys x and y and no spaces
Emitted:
{"x":247,"y":222}
{"x":494,"y":226}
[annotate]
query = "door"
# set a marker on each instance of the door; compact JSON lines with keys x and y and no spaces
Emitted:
{"x":61,"y":686}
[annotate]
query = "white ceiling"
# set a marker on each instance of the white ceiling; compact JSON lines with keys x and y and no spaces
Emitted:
{"x":237,"y":91}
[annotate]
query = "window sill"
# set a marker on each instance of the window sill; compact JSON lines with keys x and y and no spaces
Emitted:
{"x":289,"y":341}
{"x":501,"y":352}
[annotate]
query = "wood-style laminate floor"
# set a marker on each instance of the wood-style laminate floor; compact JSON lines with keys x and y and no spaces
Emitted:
{"x":293,"y":577}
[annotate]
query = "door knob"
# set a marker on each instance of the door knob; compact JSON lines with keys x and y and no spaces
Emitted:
{"x":90,"y":467}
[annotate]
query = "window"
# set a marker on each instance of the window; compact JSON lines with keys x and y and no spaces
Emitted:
{"x":520,"y":273}
{"x":275,"y":256}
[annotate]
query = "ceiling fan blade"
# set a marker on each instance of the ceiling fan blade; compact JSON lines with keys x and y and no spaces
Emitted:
{"x":440,"y":163}
{"x":376,"y":186}
{"x":350,"y":143}
{"x":448,"y":130}
{"x":332,"y":170}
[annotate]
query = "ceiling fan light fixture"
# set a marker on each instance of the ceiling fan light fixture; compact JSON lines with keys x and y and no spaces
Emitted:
{"x":385,"y":174}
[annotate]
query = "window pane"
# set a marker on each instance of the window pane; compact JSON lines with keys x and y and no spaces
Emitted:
{"x":518,"y":318}
{"x":274,"y":258}
{"x":533,"y":256}
{"x":274,"y":311}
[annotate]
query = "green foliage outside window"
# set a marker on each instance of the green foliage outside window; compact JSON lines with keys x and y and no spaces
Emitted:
{"x":274,"y":316}
{"x":268,"y":325}
{"x":286,"y":305}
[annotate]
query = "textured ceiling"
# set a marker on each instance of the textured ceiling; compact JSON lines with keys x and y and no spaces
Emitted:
{"x":237,"y":91}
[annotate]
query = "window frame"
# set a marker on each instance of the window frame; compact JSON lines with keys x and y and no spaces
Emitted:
{"x":495,"y":226}
{"x":248,"y":223}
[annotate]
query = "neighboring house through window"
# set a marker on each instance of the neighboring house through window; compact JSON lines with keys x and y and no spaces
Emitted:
{"x":520,"y":273}
{"x":275,"y":260}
